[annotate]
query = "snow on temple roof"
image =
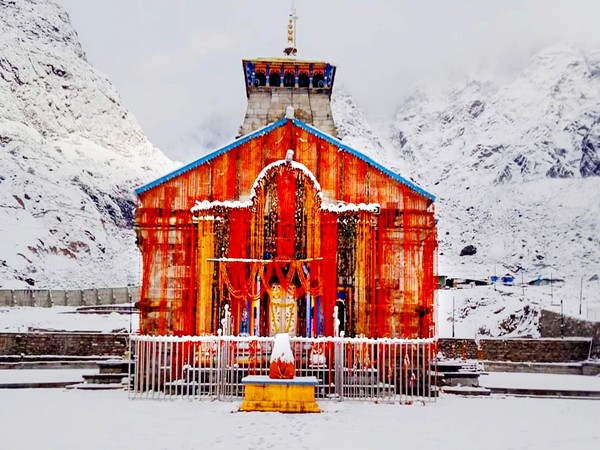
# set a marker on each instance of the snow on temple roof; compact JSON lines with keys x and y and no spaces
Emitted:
{"x":267,"y":129}
{"x":289,"y":60}
{"x":338,"y":208}
{"x":294,"y":164}
{"x":205,"y":205}
{"x":345,"y":207}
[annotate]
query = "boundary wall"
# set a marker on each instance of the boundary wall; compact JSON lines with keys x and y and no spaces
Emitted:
{"x":61,"y":297}
{"x":554,"y":325}
{"x":543,"y":350}
{"x":64,"y":344}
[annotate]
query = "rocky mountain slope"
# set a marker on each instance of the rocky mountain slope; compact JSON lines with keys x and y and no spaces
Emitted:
{"x":70,"y":156}
{"x":515,"y":168}
{"x":516,"y":171}
{"x":352,"y":125}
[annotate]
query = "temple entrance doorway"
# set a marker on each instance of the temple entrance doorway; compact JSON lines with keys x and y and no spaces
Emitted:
{"x":283,"y":311}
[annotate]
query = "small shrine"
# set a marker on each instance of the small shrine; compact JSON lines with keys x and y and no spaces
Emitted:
{"x":281,"y":390}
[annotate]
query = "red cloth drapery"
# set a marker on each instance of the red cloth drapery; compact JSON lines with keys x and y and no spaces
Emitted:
{"x":286,"y":198}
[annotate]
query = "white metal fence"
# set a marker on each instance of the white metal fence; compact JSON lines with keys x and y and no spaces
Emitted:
{"x":212,"y":367}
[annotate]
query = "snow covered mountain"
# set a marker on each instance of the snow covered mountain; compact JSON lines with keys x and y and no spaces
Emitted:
{"x":70,"y":156}
{"x":516,"y":172}
{"x":352,"y":125}
{"x":516,"y":169}
{"x":530,"y":127}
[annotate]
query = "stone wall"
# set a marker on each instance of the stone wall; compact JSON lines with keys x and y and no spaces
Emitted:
{"x":322,"y":115}
{"x":69,"y":344}
{"x":56,"y":297}
{"x":551,"y":325}
{"x":116,"y":344}
{"x":269,"y":105}
{"x":518,"y":350}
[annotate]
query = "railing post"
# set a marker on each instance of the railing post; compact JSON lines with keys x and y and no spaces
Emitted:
{"x":339,"y":365}
{"x":219,"y":364}
{"x":130,"y":358}
{"x":336,"y":322}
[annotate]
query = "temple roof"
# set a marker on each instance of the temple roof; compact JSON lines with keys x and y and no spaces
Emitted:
{"x":267,"y":129}
{"x":286,"y":60}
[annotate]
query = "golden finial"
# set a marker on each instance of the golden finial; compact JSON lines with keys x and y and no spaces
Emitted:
{"x":291,"y":48}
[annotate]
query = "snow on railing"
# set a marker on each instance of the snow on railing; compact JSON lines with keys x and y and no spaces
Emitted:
{"x":212,"y":367}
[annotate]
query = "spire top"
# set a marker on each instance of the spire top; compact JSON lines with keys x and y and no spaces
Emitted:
{"x":291,"y":48}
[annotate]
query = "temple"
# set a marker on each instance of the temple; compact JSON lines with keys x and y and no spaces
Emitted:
{"x":272,"y":232}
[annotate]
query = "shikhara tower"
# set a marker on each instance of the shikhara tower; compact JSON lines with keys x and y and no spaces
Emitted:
{"x":273,"y":84}
{"x":273,"y":231}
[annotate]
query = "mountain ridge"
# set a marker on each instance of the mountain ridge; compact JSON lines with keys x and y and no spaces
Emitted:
{"x":515,"y":167}
{"x":515,"y":170}
{"x":71,"y":156}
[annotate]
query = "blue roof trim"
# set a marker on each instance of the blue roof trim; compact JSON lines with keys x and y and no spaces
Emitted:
{"x":269,"y":128}
{"x":210,"y":156}
{"x":365,"y":158}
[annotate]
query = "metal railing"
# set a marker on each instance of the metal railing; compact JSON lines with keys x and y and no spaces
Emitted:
{"x":212,"y":367}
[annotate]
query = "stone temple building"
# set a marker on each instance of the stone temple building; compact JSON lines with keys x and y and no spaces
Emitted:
{"x":275,"y":230}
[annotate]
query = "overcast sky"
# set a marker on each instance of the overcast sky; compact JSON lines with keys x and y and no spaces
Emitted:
{"x":177,"y":63}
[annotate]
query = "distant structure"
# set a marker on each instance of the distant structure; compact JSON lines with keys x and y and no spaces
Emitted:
{"x":272,"y":232}
{"x":272,"y":84}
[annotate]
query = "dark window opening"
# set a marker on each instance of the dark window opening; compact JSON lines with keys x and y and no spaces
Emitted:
{"x":260,"y":79}
{"x":289,"y":80}
{"x":274,"y":79}
{"x":341,"y":315}
{"x":318,"y":80}
{"x":303,"y":80}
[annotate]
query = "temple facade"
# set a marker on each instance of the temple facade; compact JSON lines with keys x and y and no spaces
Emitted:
{"x":272,"y":232}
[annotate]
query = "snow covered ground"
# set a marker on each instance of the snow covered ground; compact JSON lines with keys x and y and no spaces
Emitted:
{"x":67,"y":419}
{"x":99,"y":420}
{"x":488,"y":380}
{"x":43,"y":375}
{"x":63,"y":318}
{"x":540,"y":381}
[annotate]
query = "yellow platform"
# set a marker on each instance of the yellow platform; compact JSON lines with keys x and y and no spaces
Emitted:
{"x":297,"y":395}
